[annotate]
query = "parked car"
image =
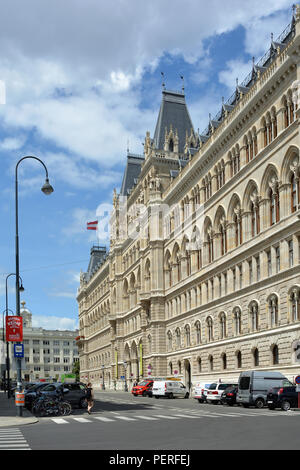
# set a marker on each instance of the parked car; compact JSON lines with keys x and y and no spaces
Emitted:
{"x":200,"y":392}
{"x":32,"y":393}
{"x":76,"y":394}
{"x":215,"y":391}
{"x":254,"y":385}
{"x":228,"y":397}
{"x":282,"y":397}
{"x":142,"y":388}
{"x":169,"y":388}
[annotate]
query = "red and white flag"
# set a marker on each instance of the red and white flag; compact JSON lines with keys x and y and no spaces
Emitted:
{"x":92,"y":225}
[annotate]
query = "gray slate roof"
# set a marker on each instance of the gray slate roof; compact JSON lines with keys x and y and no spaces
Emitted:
{"x":131,"y":173}
{"x":173,"y":111}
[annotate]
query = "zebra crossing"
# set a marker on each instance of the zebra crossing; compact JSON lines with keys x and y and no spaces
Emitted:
{"x":168,"y":414}
{"x":12,"y":439}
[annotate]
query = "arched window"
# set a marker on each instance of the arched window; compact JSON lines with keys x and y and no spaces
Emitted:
{"x":239,"y":359}
{"x":223,"y":239}
{"x":253,"y":310}
{"x":255,"y":357}
{"x":275,"y":355}
{"x":210,"y":332}
{"x":237,"y":219}
{"x":171,"y":145}
{"x":294,"y":192}
{"x":170,"y":368}
{"x":255,"y":219}
{"x":224,"y":361}
{"x":178,"y":338}
{"x":199,"y":364}
{"x":237,"y":320}
{"x":198,"y":332}
{"x":295,"y":304}
{"x":222,"y":325}
{"x":274,"y":201}
{"x":273,"y":310}
{"x":170,"y":341}
{"x":187,"y":335}
{"x":211,"y":363}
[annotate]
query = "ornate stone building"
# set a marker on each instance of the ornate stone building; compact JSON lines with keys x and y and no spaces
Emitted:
{"x":202,"y":277}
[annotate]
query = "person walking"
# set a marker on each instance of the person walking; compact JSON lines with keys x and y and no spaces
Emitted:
{"x":89,"y":397}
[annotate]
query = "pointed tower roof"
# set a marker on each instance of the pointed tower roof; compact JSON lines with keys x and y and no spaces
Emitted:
{"x":173,"y":113}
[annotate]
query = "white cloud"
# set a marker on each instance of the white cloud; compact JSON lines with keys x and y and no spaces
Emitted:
{"x":235,"y":69}
{"x":77,"y":80}
{"x":54,"y":323}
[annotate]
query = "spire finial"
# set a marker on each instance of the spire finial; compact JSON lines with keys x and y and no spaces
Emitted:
{"x":182,"y":78}
{"x":163,"y":81}
{"x":127,"y":146}
{"x":272,"y":37}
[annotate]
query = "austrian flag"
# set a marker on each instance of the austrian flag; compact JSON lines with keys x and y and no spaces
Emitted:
{"x":92,"y":225}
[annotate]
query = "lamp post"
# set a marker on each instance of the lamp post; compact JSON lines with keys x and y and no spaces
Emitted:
{"x":125,"y":385}
{"x":46,"y":189}
{"x":21,"y":289}
{"x":103,"y":384}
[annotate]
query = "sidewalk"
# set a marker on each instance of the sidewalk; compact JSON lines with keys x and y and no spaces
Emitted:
{"x":9,"y":413}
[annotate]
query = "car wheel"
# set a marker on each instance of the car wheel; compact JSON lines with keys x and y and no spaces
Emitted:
{"x":83,"y":403}
{"x":156,"y":396}
{"x":144,"y":394}
{"x":271,"y":407}
{"x":187,"y":395}
{"x":199,"y":400}
{"x":285,"y":405}
{"x":171,"y":395}
{"x":245,"y":405}
{"x":260,"y":403}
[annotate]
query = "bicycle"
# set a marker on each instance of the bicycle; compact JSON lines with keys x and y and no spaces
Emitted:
{"x":45,"y":406}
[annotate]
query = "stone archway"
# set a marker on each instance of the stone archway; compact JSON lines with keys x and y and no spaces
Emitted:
{"x":188,"y":375}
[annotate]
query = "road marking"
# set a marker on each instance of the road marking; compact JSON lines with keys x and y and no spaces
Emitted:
{"x":166,"y":417}
{"x":125,"y":418}
{"x":150,"y":418}
{"x":187,"y":416}
{"x":59,"y":421}
{"x":82,"y":420}
{"x":102,"y":418}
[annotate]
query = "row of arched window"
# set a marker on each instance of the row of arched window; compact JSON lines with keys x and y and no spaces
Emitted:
{"x":207,"y":330}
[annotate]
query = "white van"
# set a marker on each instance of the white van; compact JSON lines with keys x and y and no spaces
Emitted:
{"x":200,"y":391}
{"x":169,"y":388}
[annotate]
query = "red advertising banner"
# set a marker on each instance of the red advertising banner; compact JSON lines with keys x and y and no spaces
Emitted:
{"x":14,"y":328}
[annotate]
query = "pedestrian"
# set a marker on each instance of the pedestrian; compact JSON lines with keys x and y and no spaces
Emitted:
{"x":89,"y":397}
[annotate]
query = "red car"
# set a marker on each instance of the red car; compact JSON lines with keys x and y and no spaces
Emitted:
{"x":143,"y":388}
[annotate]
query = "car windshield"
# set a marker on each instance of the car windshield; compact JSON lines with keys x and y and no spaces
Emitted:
{"x":212,"y":387}
{"x":143,"y":383}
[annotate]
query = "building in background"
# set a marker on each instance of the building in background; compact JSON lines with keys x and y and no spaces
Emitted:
{"x":202,"y":277}
{"x":48,"y":354}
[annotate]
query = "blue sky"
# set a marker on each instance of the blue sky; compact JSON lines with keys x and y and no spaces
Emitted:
{"x":82,"y":80}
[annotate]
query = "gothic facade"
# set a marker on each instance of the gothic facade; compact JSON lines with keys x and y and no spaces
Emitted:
{"x":202,"y":276}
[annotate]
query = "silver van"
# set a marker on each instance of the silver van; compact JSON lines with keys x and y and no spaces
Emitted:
{"x":253,"y":386}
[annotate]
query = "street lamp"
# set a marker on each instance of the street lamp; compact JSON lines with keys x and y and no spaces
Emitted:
{"x":125,"y":367}
{"x":103,"y":385}
{"x":46,"y":189}
{"x":21,"y":289}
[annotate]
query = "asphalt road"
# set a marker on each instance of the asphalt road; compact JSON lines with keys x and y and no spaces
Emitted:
{"x":121,"y":421}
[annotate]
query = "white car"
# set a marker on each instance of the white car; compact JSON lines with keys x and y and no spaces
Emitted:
{"x":200,"y":391}
{"x":169,"y":388}
{"x":215,"y":391}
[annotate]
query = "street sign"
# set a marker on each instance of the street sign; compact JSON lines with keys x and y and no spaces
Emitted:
{"x":14,"y":328}
{"x":297,"y":380}
{"x":18,"y":350}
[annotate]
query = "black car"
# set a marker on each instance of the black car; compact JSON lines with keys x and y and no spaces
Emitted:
{"x":228,"y":397}
{"x":32,"y":393}
{"x":74,"y":393}
{"x":282,"y":397}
